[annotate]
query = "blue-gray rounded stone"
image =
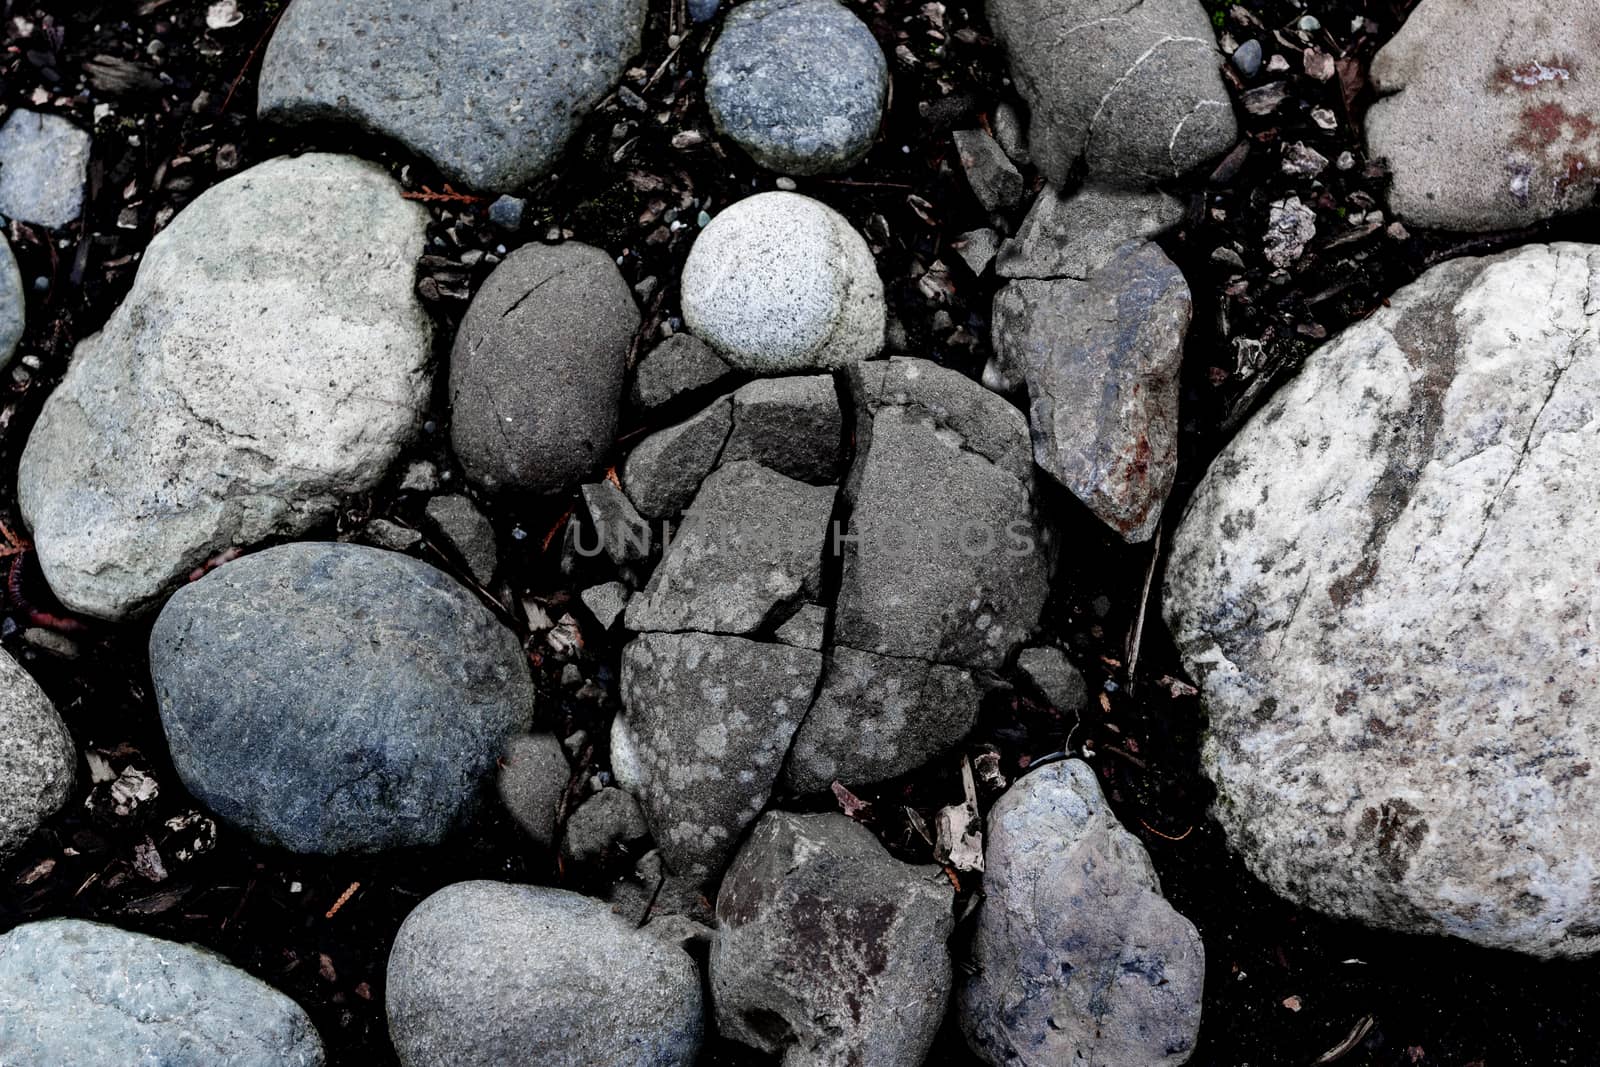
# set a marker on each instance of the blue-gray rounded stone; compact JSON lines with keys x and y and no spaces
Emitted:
{"x":336,"y":698}
{"x":798,"y":84}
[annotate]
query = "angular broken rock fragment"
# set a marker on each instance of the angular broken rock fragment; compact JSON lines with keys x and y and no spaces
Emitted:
{"x":489,"y":91}
{"x":620,"y":531}
{"x":996,"y":183}
{"x":1100,"y":357}
{"x":663,"y":473}
{"x":467,"y":531}
{"x":1073,"y":236}
{"x":1078,"y":958}
{"x":1131,"y":93}
{"x":271,"y":358}
{"x":829,"y":950}
{"x":751,"y":543}
{"x":676,"y":367}
{"x":792,"y":425}
{"x":1383,"y":587}
{"x":537,"y":367}
{"x":707,"y":723}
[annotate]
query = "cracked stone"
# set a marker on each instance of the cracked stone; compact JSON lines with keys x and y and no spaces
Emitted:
{"x":677,"y":367}
{"x":792,"y":425}
{"x":1072,"y":237}
{"x":1412,"y":602}
{"x":619,"y":530}
{"x":995,"y":181}
{"x":663,"y":473}
{"x":1054,"y":675}
{"x":467,"y":532}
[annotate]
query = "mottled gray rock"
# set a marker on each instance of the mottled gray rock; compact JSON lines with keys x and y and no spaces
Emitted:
{"x":1100,"y":359}
{"x":1382,"y":588}
{"x":266,"y":673}
{"x":619,"y":530}
{"x":37,"y":758}
{"x":995,"y":181}
{"x":488,"y":90}
{"x":1247,"y":58}
{"x":537,"y":368}
{"x":533,"y":775}
{"x":708,"y":721}
{"x":1010,"y":135}
{"x":779,"y":283}
{"x":663,"y":473}
{"x":465,"y":531}
{"x":1054,"y":675}
{"x":271,"y":358}
{"x":678,"y":366}
{"x":946,"y":561}
{"x":606,"y":602}
{"x":1078,"y":957}
{"x":659,"y":894}
{"x":792,"y":425}
{"x":1074,"y":236}
{"x":977,"y":249}
{"x":798,"y":84}
{"x":752,"y":542}
{"x":806,"y":628}
{"x":507,"y":211}
{"x":876,"y":717}
{"x":13,"y":302}
{"x":382,"y":533}
{"x":1488,"y":115}
{"x":605,"y":819}
{"x":483,"y":972}
{"x":44,"y":162}
{"x":1132,"y":93}
{"x":829,"y":950}
{"x":74,"y":992}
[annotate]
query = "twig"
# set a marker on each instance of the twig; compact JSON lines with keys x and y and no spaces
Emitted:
{"x":1137,"y":635}
{"x":1351,"y":1040}
{"x":250,"y":59}
{"x":1167,"y":837}
{"x":448,"y":196}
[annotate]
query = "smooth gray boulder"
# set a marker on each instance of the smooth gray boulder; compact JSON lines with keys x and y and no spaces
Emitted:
{"x":828,"y":949}
{"x":779,"y":283}
{"x":800,"y":85}
{"x":791,"y":425}
{"x":664,"y":471}
{"x":467,"y":532}
{"x":707,"y":723}
{"x":44,"y":163}
{"x":1077,"y":956}
{"x":537,"y":368}
{"x":488,"y":91}
{"x":1488,"y":130}
{"x":751,"y":543}
{"x":678,"y":366}
{"x":336,"y":698}
{"x":38,"y":761}
{"x":1101,"y":358}
{"x":484,"y":974}
{"x":531,"y":780}
{"x":271,"y":359}
{"x":74,"y":992}
{"x":1074,"y":236}
{"x":1130,"y":93}
{"x":13,"y":302}
{"x":1382,"y":588}
{"x":600,"y":822}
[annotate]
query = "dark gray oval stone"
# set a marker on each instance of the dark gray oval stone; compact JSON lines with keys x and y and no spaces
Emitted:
{"x":333,"y":697}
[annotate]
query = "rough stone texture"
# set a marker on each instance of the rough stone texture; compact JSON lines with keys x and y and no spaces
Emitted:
{"x":1074,"y":236}
{"x":798,"y":84}
{"x":1491,"y":123}
{"x":333,"y":698}
{"x":708,"y":721}
{"x":37,"y":758}
{"x":177,"y":433}
{"x":1133,"y":92}
{"x":663,"y":473}
{"x":74,"y":992}
{"x":806,"y":628}
{"x":1079,"y":959}
{"x":879,"y":716}
{"x":1382,"y":587}
{"x":751,"y":543}
{"x":1054,"y":676}
{"x":467,"y":532}
{"x":13,"y":302}
{"x":44,"y":162}
{"x":483,"y":972}
{"x":995,"y":181}
{"x":488,"y":90}
{"x":610,"y":816}
{"x":977,"y":249}
{"x":620,"y":532}
{"x":780,"y":282}
{"x":830,"y":951}
{"x":537,"y":368}
{"x":532,"y":777}
{"x":1100,"y":359}
{"x":606,"y":602}
{"x":678,"y":366}
{"x":792,"y":425}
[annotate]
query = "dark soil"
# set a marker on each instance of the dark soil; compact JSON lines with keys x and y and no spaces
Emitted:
{"x":1284,"y":985}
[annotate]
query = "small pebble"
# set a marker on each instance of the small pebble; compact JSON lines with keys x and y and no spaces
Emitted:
{"x":1309,"y":23}
{"x":507,"y":212}
{"x":1247,"y":58}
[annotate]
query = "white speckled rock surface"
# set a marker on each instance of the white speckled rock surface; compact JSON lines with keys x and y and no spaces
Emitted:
{"x":780,"y":282}
{"x":1386,"y":587}
{"x":37,"y":757}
